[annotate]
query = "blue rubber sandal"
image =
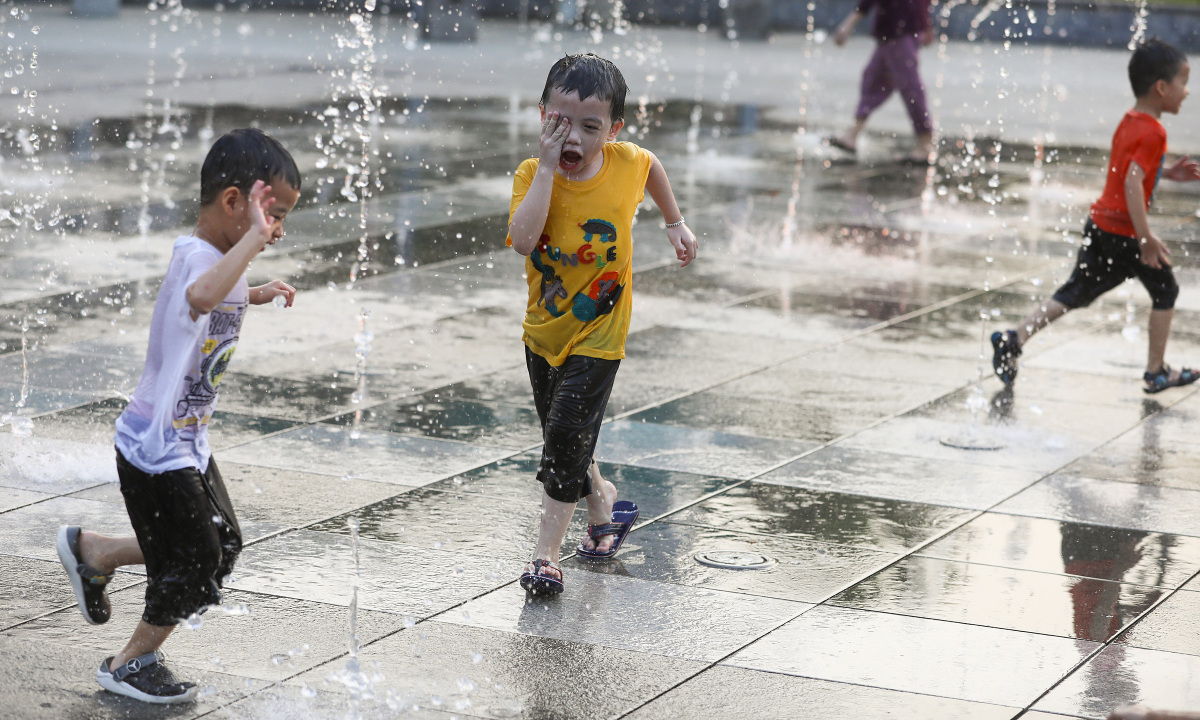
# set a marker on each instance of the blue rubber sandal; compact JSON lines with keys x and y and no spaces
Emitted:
{"x":1158,"y":381}
{"x":537,"y":579}
{"x":624,"y":515}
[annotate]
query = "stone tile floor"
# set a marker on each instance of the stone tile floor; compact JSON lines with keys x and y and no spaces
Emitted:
{"x":785,"y":396}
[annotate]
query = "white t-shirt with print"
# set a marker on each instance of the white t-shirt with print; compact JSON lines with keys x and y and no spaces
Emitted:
{"x":165,"y":425}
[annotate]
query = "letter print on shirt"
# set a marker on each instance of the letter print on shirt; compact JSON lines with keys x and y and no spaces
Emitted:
{"x":220,"y":340}
{"x":602,"y":294}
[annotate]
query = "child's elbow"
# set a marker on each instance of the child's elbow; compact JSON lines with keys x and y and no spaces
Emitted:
{"x":197,"y":304}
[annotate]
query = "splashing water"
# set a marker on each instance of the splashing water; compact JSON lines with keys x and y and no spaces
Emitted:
{"x":1139,"y":25}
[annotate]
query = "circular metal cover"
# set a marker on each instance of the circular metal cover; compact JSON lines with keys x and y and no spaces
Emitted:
{"x":972,"y":442}
{"x":734,"y":560}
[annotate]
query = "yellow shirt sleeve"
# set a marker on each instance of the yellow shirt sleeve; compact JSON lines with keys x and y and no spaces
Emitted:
{"x":522,"y":179}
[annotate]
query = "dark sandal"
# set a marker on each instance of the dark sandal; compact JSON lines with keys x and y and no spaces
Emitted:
{"x":624,"y":515}
{"x":1005,"y":351}
{"x":537,"y":581}
{"x":841,"y":144}
{"x":88,"y":583}
{"x":1156,"y":382}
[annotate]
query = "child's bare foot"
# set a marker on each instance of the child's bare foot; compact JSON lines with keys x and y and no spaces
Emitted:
{"x":600,"y":508}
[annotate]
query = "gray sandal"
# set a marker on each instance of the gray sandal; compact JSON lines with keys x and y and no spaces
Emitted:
{"x":88,"y":583}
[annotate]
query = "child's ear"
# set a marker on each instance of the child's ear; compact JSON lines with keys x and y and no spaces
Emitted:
{"x":229,"y":199}
{"x":616,"y":128}
{"x":1160,"y":87}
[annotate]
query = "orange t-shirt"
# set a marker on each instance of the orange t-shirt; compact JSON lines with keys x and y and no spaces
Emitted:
{"x":1139,"y":138}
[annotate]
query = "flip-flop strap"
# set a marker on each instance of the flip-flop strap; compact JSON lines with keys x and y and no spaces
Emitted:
{"x":596,"y":532}
{"x":539,"y":565}
{"x":135,"y":665}
{"x":92,"y":576}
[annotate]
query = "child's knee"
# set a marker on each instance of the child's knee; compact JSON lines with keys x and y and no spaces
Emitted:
{"x":1165,"y":296}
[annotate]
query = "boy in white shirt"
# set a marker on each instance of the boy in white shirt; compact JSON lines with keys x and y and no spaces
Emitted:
{"x":186,"y":532}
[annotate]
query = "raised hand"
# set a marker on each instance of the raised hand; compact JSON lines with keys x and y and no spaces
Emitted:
{"x":554,"y":134}
{"x":260,"y":202}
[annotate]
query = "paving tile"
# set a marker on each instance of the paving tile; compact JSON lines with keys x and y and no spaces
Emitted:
{"x":697,"y":343}
{"x":858,"y":358}
{"x":383,"y":457}
{"x":761,"y":695}
{"x":394,"y":578}
{"x":1054,"y":546}
{"x":250,"y":635}
{"x":277,"y":497}
{"x":1172,"y":626}
{"x":777,"y":510}
{"x":696,"y":451}
{"x":75,"y":693}
{"x":1104,"y":502}
{"x":631,"y":614}
{"x":902,"y":477}
{"x":508,"y":386}
{"x":1164,"y":451}
{"x":801,"y":570}
{"x":1122,"y":675}
{"x":288,"y":701}
{"x":26,"y":400}
{"x":476,"y":525}
{"x":656,"y":492}
{"x":746,"y":319}
{"x":1083,"y":608}
{"x":76,"y":373}
{"x":489,"y":673}
{"x":832,"y":406}
{"x":1108,"y":353}
{"x":42,"y":588}
{"x":932,"y":657}
{"x":288,"y":399}
{"x":431,"y":415}
{"x":651,"y":379}
{"x":1022,"y":447}
{"x":11,"y":498}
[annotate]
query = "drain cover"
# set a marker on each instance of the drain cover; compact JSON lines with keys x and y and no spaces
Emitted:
{"x":734,"y":560}
{"x":972,"y":442}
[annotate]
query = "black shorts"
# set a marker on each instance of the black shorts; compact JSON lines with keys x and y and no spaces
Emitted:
{"x":570,"y":401}
{"x":1106,"y":260}
{"x":188,"y":534}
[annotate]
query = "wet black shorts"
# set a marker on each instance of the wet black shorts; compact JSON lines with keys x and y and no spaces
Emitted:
{"x":188,"y":534}
{"x":1105,"y":261}
{"x":570,"y":401}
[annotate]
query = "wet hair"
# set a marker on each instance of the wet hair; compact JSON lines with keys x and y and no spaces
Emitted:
{"x":239,"y":158}
{"x":587,"y":75}
{"x":1152,"y":61}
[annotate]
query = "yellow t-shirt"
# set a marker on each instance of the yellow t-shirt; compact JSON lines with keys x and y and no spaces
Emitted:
{"x":580,"y":273}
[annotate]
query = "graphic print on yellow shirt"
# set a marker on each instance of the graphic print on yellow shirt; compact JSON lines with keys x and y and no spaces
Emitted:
{"x":579,"y":274}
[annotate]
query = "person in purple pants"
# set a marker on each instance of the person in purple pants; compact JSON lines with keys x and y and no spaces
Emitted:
{"x":900,"y":28}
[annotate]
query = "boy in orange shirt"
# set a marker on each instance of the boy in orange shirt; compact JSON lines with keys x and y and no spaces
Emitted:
{"x":572,"y":215}
{"x":1118,"y":243}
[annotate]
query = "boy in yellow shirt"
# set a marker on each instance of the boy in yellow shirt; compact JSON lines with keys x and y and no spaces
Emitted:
{"x":572,"y":214}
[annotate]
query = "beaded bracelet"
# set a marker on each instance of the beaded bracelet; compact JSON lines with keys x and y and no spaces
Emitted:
{"x":675,"y":224}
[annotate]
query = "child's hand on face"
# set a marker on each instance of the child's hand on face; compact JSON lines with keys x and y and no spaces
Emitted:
{"x":1155,"y":253}
{"x":1185,"y":170}
{"x":554,"y":134}
{"x":684,"y":243}
{"x":260,"y":225}
{"x":264,"y":294}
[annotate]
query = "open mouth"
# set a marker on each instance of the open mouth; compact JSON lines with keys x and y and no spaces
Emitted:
{"x":569,"y":160}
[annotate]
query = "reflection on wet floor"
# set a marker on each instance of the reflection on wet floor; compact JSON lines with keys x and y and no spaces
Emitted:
{"x":783,"y":397}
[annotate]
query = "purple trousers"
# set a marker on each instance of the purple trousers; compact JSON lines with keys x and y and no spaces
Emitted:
{"x":894,"y":67}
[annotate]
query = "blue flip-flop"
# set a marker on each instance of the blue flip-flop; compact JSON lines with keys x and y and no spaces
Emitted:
{"x":624,"y":515}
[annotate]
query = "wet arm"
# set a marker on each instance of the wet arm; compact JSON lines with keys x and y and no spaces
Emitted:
{"x":659,"y":188}
{"x":1135,"y":201}
{"x":529,"y":219}
{"x":211,"y":288}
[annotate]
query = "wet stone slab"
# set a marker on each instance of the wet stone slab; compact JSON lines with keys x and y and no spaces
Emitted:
{"x":901,"y":477}
{"x":1172,"y":626}
{"x":777,"y":510}
{"x":702,"y":452}
{"x":464,"y":523}
{"x":479,"y":672}
{"x":1104,"y":502}
{"x":319,"y":566}
{"x":757,"y":694}
{"x":1122,"y":675}
{"x":641,"y":615}
{"x":53,"y":466}
{"x":1083,"y":608}
{"x":803,"y":571}
{"x":43,"y":589}
{"x":915,"y":655}
{"x":12,"y":498}
{"x":431,"y":415}
{"x":383,"y":457}
{"x":1083,"y":550}
{"x":75,"y":693}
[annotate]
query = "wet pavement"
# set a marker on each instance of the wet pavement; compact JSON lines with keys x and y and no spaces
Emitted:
{"x":784,"y":401}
